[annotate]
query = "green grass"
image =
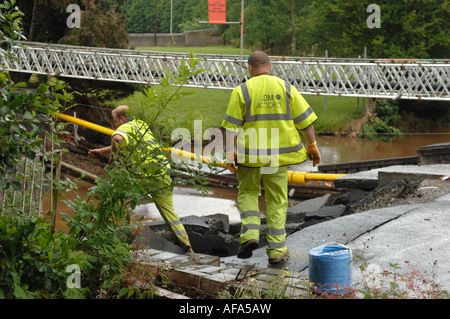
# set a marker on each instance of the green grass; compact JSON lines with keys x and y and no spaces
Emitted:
{"x":338,"y":113}
{"x":209,"y":105}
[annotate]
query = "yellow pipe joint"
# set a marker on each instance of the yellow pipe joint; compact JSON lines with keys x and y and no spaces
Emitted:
{"x":305,"y":178}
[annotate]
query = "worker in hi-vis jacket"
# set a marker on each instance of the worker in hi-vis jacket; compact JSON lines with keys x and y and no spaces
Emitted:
{"x":128,"y":132}
{"x":266,"y":116}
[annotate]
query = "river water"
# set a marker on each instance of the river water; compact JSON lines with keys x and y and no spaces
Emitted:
{"x":189,"y":201}
{"x":336,"y":150}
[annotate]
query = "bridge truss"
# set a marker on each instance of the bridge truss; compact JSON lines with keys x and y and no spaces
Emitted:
{"x":392,"y":79}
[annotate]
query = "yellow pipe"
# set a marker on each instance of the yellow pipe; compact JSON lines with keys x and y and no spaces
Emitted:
{"x":293,"y":177}
{"x":87,"y":124}
{"x":193,"y":156}
{"x":305,"y":178}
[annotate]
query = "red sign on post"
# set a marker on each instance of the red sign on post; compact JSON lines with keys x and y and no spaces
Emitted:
{"x":217,"y":11}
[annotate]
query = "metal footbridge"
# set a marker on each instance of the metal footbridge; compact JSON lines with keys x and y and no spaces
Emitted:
{"x":372,"y":78}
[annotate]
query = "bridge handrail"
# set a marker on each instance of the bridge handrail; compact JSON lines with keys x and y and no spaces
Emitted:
{"x":380,"y":78}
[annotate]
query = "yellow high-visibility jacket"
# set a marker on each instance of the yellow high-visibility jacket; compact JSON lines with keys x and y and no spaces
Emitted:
{"x":139,"y":139}
{"x":132,"y":127}
{"x":266,"y":112}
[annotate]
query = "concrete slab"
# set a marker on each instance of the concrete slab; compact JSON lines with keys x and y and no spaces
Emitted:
{"x":417,"y":242}
{"x":368,"y":180}
{"x":309,"y":205}
{"x":190,"y":271}
{"x":327,"y":212}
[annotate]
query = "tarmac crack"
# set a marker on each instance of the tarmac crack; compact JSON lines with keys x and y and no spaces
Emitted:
{"x":371,"y":230}
{"x":380,"y":225}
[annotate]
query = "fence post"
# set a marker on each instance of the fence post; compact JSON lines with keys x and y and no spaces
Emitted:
{"x":54,"y":203}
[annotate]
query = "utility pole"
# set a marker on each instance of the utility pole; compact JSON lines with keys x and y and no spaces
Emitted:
{"x":242,"y":39}
{"x":241,"y":23}
{"x":294,"y":35}
{"x":156,"y":21}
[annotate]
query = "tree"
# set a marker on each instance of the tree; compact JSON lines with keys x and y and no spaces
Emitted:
{"x":103,"y":25}
{"x":185,"y":15}
{"x":412,"y":29}
{"x":36,"y":23}
{"x":267,"y":25}
{"x":409,"y":29}
{"x":18,"y":108}
{"x":140,"y":16}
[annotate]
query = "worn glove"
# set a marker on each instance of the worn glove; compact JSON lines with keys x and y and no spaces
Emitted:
{"x":313,"y":153}
{"x":232,"y":168}
{"x":231,"y":162}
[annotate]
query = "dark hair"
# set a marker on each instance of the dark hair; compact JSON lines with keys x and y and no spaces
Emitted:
{"x":258,"y":58}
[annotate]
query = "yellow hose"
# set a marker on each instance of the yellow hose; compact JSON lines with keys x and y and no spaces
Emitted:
{"x":293,"y":177}
{"x":305,"y":178}
{"x":84,"y":123}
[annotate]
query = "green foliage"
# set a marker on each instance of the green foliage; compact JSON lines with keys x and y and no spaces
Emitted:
{"x":19,"y":108}
{"x":388,"y":111}
{"x":185,"y":15}
{"x":10,"y":22}
{"x":102,"y":224}
{"x":19,"y":121}
{"x":409,"y":29}
{"x":382,"y":126}
{"x":34,"y":260}
{"x":102,"y":25}
{"x":412,"y":29}
{"x":267,"y":30}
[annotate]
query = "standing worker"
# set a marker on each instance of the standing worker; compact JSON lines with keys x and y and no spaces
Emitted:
{"x":264,"y":116}
{"x":127,"y":128}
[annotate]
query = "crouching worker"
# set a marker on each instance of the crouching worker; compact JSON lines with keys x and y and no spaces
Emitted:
{"x":128,"y":132}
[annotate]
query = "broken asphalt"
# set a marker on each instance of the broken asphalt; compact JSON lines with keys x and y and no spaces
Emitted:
{"x":410,"y":237}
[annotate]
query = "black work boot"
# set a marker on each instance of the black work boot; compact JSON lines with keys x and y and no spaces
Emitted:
{"x":246,"y":249}
{"x":278,"y":260}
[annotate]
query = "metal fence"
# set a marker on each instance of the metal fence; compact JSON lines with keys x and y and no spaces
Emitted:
{"x":373,"y":78}
{"x":32,"y":181}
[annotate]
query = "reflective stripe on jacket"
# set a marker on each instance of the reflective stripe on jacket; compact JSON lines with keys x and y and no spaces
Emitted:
{"x":136,"y":130}
{"x":266,"y":112}
{"x":129,"y":130}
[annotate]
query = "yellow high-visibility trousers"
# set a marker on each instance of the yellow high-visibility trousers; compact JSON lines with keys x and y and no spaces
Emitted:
{"x":276,"y":195}
{"x":163,"y":200}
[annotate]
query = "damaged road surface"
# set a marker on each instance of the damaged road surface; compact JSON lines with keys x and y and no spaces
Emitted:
{"x":404,"y":222}
{"x":415,"y":237}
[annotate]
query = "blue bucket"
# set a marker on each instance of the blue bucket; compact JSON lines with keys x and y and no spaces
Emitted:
{"x":330,"y":269}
